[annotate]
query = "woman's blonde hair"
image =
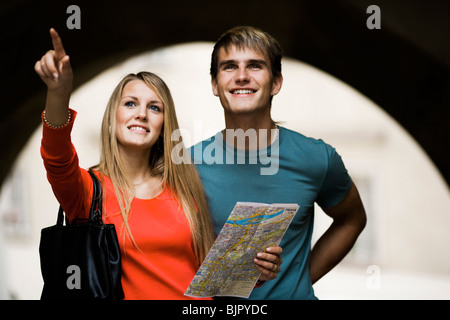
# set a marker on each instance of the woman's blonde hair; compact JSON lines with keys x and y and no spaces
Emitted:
{"x":181,"y":179}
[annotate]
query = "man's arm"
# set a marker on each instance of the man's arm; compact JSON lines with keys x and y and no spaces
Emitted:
{"x":349,"y":219}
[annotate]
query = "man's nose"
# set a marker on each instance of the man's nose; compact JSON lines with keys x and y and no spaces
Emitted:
{"x":242,"y":75}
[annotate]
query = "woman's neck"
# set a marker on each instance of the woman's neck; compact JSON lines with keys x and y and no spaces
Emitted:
{"x":136,"y":164}
{"x":146,"y":185}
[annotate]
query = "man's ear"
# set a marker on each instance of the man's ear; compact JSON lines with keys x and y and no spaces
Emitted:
{"x":214,"y":87}
{"x":276,"y":85}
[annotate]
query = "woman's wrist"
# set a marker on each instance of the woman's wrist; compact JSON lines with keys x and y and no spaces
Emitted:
{"x":53,"y":126}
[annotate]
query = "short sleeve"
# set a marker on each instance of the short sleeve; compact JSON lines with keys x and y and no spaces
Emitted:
{"x":336,"y":183}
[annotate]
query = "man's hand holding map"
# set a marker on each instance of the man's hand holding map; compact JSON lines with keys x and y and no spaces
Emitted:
{"x":228,"y":269}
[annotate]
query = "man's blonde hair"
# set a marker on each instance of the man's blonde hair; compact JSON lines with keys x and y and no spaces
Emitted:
{"x":251,"y":38}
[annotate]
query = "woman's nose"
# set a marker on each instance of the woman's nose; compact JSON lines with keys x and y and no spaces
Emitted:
{"x":141,"y":113}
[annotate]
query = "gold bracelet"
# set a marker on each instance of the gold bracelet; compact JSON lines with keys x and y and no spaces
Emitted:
{"x":57,"y":127}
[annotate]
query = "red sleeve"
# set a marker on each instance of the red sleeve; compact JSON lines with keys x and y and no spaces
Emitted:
{"x":71,"y":184}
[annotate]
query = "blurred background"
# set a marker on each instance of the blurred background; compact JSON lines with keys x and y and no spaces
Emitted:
{"x":380,"y":96}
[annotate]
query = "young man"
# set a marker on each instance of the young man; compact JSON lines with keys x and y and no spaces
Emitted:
{"x":255,"y":160}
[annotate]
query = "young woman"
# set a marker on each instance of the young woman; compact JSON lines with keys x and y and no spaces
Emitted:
{"x":158,"y":208}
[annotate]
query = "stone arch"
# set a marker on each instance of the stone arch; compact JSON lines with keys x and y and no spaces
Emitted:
{"x":404,"y":67}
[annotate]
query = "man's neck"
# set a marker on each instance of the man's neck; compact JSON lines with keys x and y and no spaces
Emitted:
{"x":249,"y":132}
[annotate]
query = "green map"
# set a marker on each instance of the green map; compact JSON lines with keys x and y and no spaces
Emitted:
{"x":228,"y":269}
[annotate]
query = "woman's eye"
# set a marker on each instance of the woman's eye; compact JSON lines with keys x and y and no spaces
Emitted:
{"x":130,"y":104}
{"x":154,"y":108}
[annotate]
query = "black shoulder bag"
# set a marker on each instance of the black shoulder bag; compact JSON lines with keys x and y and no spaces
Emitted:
{"x":81,"y":260}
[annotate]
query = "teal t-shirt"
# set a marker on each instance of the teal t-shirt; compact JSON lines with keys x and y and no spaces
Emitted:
{"x":294,"y":169}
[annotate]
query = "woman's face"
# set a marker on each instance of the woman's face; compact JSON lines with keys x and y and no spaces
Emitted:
{"x":139,"y":117}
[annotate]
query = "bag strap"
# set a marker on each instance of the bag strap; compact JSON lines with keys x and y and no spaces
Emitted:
{"x":95,"y":212}
{"x":59,"y":221}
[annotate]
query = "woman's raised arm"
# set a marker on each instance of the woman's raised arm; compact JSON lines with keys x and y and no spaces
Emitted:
{"x":55,"y":71}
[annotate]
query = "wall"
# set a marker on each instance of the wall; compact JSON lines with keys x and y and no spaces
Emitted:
{"x":407,"y":201}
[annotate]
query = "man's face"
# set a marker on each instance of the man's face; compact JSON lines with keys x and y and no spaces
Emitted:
{"x":244,"y":81}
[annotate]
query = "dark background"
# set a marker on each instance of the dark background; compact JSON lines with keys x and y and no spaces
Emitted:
{"x":404,"y":67}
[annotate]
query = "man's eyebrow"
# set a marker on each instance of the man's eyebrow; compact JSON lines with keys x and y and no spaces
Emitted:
{"x":224,"y":62}
{"x":250,"y":61}
{"x":258,"y":61}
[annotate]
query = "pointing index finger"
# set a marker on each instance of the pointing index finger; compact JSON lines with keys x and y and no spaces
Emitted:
{"x":57,"y":45}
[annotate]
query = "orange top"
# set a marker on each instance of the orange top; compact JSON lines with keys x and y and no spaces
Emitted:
{"x":164,"y":264}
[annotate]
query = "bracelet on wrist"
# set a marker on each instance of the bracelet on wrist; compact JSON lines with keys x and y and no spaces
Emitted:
{"x":59,"y":126}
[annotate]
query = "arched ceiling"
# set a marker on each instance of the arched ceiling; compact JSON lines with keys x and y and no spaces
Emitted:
{"x":404,"y":67}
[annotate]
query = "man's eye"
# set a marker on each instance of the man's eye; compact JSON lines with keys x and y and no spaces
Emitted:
{"x":255,"y":66}
{"x":229,"y":67}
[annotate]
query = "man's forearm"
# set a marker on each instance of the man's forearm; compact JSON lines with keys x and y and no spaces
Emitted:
{"x":333,"y":246}
{"x":349,"y":220}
